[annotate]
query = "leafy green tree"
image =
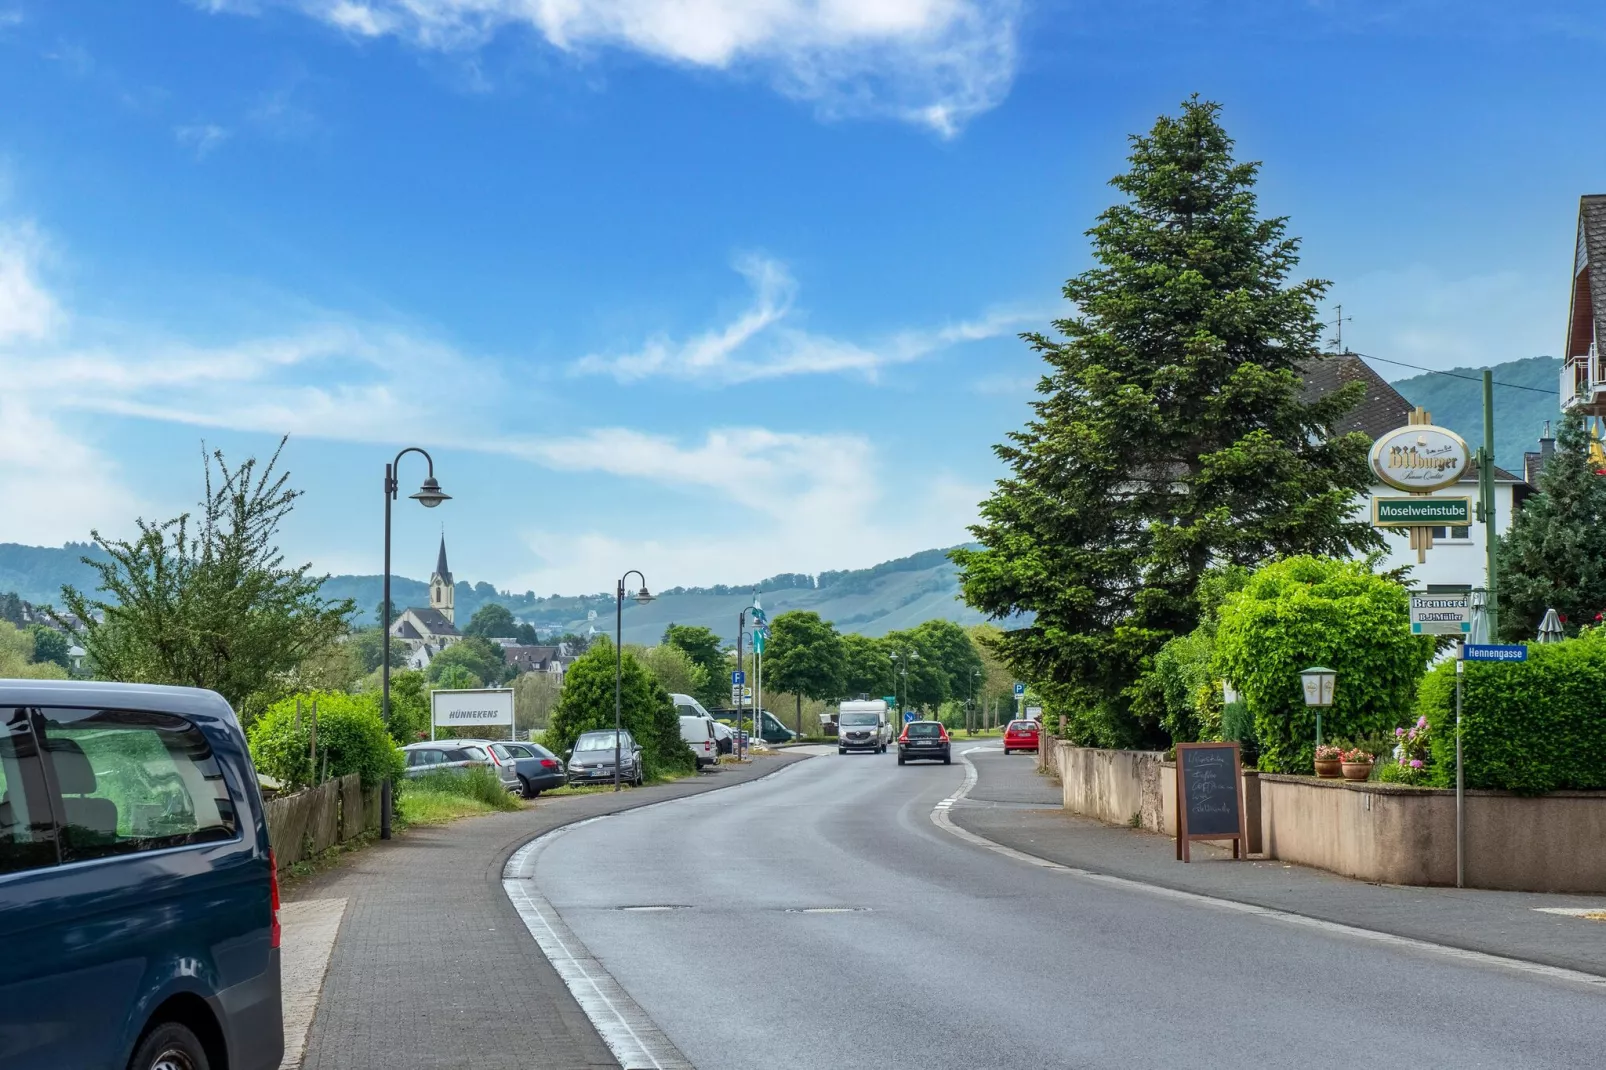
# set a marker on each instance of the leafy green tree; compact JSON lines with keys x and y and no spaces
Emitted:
{"x":456,"y":678}
{"x":703,"y":647}
{"x":673,"y":668}
{"x":209,"y":604}
{"x":917,"y":672}
{"x":351,"y":739}
{"x":1306,"y":611}
{"x":1554,"y":555}
{"x":646,"y":710}
{"x":11,"y":608}
{"x":368,"y":644}
{"x":409,"y":706}
{"x":50,"y":645}
{"x":479,"y":656}
{"x":1170,"y":435}
{"x":16,"y":657}
{"x":866,"y":667}
{"x":1179,"y":689}
{"x":951,"y":651}
{"x":805,"y":657}
{"x":492,"y":621}
{"x":526,"y":634}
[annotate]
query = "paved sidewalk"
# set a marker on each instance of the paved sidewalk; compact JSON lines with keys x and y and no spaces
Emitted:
{"x":1013,"y":805}
{"x":432,"y":966}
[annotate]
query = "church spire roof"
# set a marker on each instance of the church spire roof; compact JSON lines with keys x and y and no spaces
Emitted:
{"x":441,"y":568}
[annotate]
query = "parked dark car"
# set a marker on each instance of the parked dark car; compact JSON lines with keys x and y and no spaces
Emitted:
{"x":925,"y":741}
{"x":139,"y":921}
{"x":591,"y":761}
{"x":537,"y":768}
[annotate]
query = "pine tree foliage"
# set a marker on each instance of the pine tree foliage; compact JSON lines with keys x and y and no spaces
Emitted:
{"x":1170,"y":436}
{"x":1554,"y":555}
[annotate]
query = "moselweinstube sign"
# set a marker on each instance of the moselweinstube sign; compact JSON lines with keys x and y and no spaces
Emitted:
{"x":1420,"y":458}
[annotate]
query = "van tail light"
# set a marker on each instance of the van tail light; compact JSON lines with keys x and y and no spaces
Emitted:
{"x":273,"y":887}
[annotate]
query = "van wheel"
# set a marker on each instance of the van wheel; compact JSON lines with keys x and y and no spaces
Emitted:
{"x":169,"y":1046}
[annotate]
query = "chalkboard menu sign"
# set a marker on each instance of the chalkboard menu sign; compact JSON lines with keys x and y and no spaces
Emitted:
{"x":1210,"y":803}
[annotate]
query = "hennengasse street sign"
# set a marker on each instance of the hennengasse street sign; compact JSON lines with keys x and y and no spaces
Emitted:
{"x":1421,"y":512}
{"x":1494,"y":652}
{"x":1441,"y":614}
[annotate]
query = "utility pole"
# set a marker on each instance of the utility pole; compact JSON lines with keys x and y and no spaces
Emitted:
{"x":1486,"y":507}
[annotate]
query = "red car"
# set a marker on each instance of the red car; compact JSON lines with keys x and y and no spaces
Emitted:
{"x":1020,"y":735}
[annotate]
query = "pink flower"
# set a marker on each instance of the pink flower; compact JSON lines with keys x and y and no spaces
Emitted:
{"x":1421,"y":722}
{"x":1416,"y":763}
{"x":1399,"y":731}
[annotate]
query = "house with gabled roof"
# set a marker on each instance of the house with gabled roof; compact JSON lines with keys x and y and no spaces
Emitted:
{"x":1583,"y":379}
{"x":428,"y":631}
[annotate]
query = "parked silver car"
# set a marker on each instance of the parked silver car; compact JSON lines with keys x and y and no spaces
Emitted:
{"x":443,"y":755}
{"x":591,"y":761}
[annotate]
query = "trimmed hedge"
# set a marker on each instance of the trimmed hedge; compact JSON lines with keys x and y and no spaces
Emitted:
{"x":1529,"y":726}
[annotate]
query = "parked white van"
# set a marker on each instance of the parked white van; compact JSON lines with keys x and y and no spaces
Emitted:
{"x":698,"y":729}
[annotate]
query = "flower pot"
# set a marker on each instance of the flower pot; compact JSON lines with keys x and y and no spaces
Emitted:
{"x":1357,"y":770}
{"x":1329,"y":770}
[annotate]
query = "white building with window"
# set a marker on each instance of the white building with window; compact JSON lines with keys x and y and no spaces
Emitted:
{"x":1457,"y":558}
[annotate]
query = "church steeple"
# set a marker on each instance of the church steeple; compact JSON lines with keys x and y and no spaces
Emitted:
{"x":442,"y":595}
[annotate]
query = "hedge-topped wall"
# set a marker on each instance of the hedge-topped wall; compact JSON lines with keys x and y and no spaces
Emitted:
{"x":1528,"y":727}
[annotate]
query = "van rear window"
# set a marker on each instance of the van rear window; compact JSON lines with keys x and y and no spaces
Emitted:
{"x":130,"y":781}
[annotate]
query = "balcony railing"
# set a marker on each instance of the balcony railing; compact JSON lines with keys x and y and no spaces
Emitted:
{"x":1583,"y":380}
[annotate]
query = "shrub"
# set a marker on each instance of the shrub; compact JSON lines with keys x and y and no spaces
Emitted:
{"x":1304,"y":611}
{"x":1528,"y":726}
{"x":478,"y":783}
{"x":351,"y":736}
{"x":646,"y":710}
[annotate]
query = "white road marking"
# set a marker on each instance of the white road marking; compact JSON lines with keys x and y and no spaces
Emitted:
{"x":940,"y":816}
{"x":1572,"y":912}
{"x":308,"y":931}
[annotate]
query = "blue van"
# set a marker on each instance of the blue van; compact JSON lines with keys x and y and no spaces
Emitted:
{"x":139,"y":925}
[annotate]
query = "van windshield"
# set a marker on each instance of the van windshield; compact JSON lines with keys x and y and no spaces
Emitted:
{"x":858,"y":720}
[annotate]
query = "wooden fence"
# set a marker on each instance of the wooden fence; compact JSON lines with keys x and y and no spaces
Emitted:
{"x":310,"y":822}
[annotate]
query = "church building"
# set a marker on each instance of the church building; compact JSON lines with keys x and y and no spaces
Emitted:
{"x":429,"y":631}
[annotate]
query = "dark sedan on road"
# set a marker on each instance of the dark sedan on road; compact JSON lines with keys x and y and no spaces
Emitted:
{"x":591,"y":761}
{"x":925,"y":741}
{"x":537,"y":768}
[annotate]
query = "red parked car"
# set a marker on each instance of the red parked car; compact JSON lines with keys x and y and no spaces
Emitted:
{"x":1020,"y":735}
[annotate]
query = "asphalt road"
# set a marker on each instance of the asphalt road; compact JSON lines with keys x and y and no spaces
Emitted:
{"x":822,"y":920}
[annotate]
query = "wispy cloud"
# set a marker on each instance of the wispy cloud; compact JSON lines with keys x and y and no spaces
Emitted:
{"x":201,"y":138}
{"x":1426,"y":316}
{"x":27,"y":310}
{"x":938,"y":63}
{"x":760,"y":342}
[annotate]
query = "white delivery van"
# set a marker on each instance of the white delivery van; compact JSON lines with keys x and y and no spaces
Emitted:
{"x":698,"y":729}
{"x":863,"y":725}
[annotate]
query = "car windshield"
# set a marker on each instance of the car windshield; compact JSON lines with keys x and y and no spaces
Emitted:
{"x":858,"y":720}
{"x":1023,"y":726}
{"x":924,"y":728}
{"x":599,"y":741}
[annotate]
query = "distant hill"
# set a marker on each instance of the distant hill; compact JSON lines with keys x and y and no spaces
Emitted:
{"x":872,"y":601}
{"x":1519,"y":415}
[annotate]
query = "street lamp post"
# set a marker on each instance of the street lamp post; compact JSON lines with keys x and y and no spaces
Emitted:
{"x":429,"y":496}
{"x":1319,"y":683}
{"x":642,"y":598}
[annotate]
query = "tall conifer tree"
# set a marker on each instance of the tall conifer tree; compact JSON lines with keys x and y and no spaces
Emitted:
{"x":1170,"y":436}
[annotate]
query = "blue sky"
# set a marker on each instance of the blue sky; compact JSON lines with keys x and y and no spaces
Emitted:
{"x":713,"y":289}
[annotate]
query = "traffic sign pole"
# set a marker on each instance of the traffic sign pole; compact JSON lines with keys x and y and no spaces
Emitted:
{"x":1460,"y":780}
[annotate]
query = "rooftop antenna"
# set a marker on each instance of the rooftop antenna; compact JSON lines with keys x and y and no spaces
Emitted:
{"x":1339,"y":319}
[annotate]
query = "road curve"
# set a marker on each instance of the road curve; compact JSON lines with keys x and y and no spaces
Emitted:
{"x":819,"y":918}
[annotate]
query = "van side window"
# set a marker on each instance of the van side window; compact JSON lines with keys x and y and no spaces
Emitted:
{"x":129,"y":781}
{"x":27,"y":831}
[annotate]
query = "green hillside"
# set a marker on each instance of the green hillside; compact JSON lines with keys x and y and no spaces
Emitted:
{"x":1519,"y":415}
{"x":37,"y":573}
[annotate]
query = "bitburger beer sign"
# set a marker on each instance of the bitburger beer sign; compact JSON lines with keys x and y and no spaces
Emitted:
{"x":1420,"y":458}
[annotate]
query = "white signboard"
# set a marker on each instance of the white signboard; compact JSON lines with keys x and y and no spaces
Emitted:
{"x":470,"y":707}
{"x":1441,"y":614}
{"x":1034,"y":713}
{"x":1420,"y":457}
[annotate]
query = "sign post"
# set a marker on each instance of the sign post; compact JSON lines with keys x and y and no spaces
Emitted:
{"x":1441,"y":613}
{"x":1209,"y":797}
{"x":471,"y":706}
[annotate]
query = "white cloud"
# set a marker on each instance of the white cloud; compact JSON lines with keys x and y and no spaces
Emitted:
{"x":201,"y":138}
{"x":1424,"y":316}
{"x":938,"y":63}
{"x":27,"y":311}
{"x":760,"y":343}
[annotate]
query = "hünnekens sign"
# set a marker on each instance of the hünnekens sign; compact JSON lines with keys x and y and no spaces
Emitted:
{"x":1420,"y":457}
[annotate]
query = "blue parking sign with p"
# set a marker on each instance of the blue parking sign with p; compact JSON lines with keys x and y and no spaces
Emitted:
{"x":738,"y":677}
{"x":1020,"y":688}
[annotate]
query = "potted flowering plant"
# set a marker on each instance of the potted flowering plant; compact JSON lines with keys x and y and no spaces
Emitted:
{"x":1328,"y":760}
{"x":1411,"y":753}
{"x":1356,"y":764}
